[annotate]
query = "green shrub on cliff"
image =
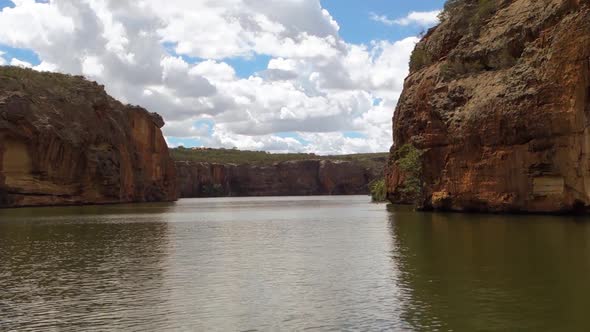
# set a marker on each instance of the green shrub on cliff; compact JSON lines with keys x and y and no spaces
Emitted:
{"x":212,"y":190}
{"x":450,"y":8}
{"x":469,"y":15}
{"x":420,"y":58}
{"x":454,"y":68}
{"x":481,"y":13}
{"x":474,"y":10}
{"x":378,"y":190}
{"x":409,"y":160}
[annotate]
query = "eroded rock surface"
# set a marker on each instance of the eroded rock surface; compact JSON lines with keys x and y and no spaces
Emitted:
{"x":63,"y":140}
{"x":297,"y":178}
{"x":499,"y":106}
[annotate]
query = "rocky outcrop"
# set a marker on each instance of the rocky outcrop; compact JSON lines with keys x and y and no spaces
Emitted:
{"x":498,"y":105}
{"x":64,"y":141}
{"x":290,"y":178}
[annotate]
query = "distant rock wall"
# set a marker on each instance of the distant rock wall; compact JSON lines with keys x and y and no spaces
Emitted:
{"x":64,"y":141}
{"x":498,"y":104}
{"x":296,"y":178}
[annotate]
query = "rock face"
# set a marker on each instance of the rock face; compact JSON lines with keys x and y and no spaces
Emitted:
{"x":63,"y":140}
{"x":290,"y":178}
{"x":498,"y":104}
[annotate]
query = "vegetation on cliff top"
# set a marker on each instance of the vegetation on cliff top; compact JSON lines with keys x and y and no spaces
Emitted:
{"x":468,"y":18}
{"x":32,"y":82}
{"x":232,"y":156}
{"x":476,"y":11}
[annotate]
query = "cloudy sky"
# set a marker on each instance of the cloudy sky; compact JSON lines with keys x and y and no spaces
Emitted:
{"x":275,"y":75}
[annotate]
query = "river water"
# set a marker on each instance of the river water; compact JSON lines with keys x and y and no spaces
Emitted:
{"x":292,"y":263}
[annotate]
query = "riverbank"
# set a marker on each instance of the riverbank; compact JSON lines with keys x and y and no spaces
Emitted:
{"x":221,"y":173}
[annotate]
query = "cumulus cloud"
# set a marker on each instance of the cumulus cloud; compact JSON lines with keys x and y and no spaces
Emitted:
{"x":245,"y":27}
{"x":420,"y":18}
{"x":43,"y":66}
{"x":18,"y":63}
{"x":175,"y":60}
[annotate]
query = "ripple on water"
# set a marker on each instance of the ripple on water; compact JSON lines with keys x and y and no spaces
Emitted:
{"x":311,"y":263}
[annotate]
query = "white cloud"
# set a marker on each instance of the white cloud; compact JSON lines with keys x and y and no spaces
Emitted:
{"x":45,"y":66}
{"x":18,"y":63}
{"x":91,"y":67}
{"x":420,"y":18}
{"x":214,"y":71}
{"x":315,"y":85}
{"x":187,"y":128}
{"x":244,"y":27}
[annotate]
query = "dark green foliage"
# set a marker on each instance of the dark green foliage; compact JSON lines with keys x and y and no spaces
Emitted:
{"x":455,"y":68}
{"x":212,"y":190}
{"x":486,"y":8}
{"x":480,"y":14}
{"x":447,"y":72}
{"x":233,"y":156}
{"x":450,"y":8}
{"x":409,"y":160}
{"x":468,"y":18}
{"x":43,"y":79}
{"x":470,"y":15}
{"x":378,"y":190}
{"x":420,"y":58}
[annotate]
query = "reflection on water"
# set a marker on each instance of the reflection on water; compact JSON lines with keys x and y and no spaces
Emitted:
{"x":78,"y":268}
{"x":324,"y":263}
{"x":476,"y":272}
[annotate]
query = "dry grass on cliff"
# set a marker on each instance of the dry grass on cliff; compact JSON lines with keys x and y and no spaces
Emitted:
{"x":28,"y":77}
{"x":467,"y":18}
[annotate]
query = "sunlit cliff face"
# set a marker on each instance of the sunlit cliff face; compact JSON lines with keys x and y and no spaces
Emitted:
{"x":64,"y":141}
{"x":500,"y":110}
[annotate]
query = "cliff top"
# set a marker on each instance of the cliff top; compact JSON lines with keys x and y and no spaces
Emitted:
{"x":228,"y":156}
{"x":56,"y":89}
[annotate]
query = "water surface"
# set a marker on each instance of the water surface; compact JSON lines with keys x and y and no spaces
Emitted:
{"x":292,"y":263}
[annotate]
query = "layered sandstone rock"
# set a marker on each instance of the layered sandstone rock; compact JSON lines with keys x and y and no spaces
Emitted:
{"x":63,"y":140}
{"x":297,"y":178}
{"x":498,"y":104}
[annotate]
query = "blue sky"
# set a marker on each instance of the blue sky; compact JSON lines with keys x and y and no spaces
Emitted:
{"x":353,"y":16}
{"x":330,"y":96}
{"x":356,"y":27}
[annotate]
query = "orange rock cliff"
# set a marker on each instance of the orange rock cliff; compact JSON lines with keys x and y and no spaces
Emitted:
{"x":289,"y":178}
{"x":63,"y":141}
{"x":495,"y":114}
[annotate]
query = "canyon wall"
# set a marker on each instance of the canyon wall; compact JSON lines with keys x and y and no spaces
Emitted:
{"x":289,"y":178}
{"x":496,"y":110}
{"x":64,"y":141}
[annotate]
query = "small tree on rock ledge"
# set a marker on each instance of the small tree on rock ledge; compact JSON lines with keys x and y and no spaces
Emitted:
{"x":408,"y":159}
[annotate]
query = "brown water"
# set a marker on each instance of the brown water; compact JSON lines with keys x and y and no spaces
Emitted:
{"x":317,"y":263}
